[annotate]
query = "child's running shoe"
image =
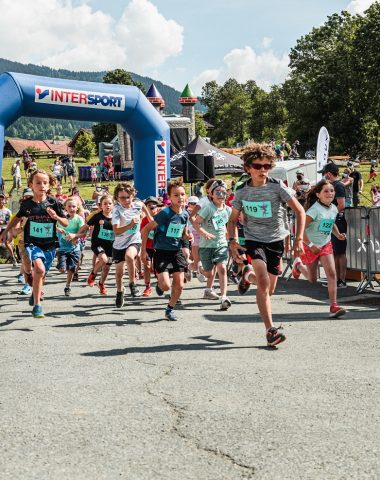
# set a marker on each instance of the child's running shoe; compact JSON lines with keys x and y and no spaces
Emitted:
{"x":159,"y":290}
{"x":135,"y":292}
{"x":201,"y":278}
{"x":20,"y":278}
{"x":76,"y":277}
{"x":26,"y":289}
{"x":225,"y":303}
{"x":336,"y":311}
{"x":91,"y":279}
{"x":274,"y":337}
{"x":37,"y":312}
{"x":243,"y":285}
{"x":102,"y":289}
{"x":210,"y":294}
{"x":295,"y":272}
{"x":119,"y":299}
{"x":147,"y":292}
{"x":188,"y":275}
{"x":170,"y":315}
{"x":67,"y":291}
{"x":14,"y":262}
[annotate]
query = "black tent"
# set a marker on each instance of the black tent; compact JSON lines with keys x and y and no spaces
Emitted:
{"x":224,"y":162}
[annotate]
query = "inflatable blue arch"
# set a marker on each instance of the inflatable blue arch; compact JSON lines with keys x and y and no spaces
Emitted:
{"x":32,"y":96}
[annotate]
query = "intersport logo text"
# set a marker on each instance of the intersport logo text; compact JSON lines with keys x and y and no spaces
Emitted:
{"x":78,"y":98}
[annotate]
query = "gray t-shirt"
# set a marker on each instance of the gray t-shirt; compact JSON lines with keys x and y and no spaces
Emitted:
{"x":264,"y":210}
{"x":123,"y":216}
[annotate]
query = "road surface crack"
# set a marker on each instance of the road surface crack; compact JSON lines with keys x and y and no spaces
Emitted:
{"x":179,"y":413}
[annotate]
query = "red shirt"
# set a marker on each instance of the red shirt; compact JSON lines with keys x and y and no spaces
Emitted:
{"x":149,"y":242}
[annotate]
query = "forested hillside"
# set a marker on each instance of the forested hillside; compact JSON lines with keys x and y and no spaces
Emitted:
{"x":45,"y":128}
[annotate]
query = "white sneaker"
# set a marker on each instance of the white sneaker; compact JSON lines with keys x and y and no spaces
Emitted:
{"x":201,"y":278}
{"x":210,"y":294}
{"x":225,"y":303}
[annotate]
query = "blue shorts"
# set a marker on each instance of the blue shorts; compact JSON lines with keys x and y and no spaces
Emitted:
{"x":69,"y":261}
{"x":47,"y":256}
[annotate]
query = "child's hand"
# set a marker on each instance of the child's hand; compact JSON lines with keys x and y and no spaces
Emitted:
{"x":208,"y":236}
{"x":70,"y":237}
{"x":342,"y":236}
{"x":52,"y":213}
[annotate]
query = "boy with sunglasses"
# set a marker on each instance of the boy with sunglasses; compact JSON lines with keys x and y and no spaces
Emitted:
{"x":213,"y":248}
{"x":263,"y":201}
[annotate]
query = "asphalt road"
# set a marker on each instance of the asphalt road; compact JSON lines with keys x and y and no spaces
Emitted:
{"x":93,"y":392}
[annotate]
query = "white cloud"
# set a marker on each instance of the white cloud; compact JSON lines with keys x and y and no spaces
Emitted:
{"x":244,"y":64}
{"x":61,"y":34}
{"x":266,"y":42}
{"x":359,"y":6}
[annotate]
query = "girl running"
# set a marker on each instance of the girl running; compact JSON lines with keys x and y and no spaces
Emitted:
{"x":152,"y":203}
{"x":69,"y":252}
{"x":126,"y":219}
{"x":40,"y":236}
{"x":320,"y":223}
{"x":101,"y":241}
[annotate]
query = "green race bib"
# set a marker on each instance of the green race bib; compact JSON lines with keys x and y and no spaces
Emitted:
{"x":219,"y":220}
{"x":133,"y":230}
{"x":175,"y":230}
{"x":41,"y":230}
{"x":241,"y":241}
{"x":151,"y":235}
{"x":258,"y":209}
{"x":105,"y":234}
{"x":326,"y":226}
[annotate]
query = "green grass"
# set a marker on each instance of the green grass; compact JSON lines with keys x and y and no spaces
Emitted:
{"x":86,"y":189}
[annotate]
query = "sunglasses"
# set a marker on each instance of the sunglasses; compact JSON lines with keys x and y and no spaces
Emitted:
{"x":220,"y":193}
{"x":192,"y":203}
{"x":259,"y":166}
{"x":153,"y":207}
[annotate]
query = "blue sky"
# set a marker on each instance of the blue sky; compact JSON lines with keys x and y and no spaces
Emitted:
{"x":175,"y":41}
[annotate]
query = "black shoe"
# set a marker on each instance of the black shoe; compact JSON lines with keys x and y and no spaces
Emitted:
{"x":244,"y":286}
{"x":159,"y":291}
{"x":274,"y":337}
{"x":135,"y":292}
{"x":119,"y":299}
{"x":341,"y":284}
{"x":67,"y":291}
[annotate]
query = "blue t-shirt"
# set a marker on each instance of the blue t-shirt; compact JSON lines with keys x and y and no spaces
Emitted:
{"x":170,"y":227}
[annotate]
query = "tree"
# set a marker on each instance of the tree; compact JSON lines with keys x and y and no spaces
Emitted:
{"x":122,"y":77}
{"x":85,"y":146}
{"x":200,"y":126}
{"x":103,"y":132}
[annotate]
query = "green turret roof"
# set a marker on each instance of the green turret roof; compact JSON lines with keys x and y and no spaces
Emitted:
{"x":187,"y":92}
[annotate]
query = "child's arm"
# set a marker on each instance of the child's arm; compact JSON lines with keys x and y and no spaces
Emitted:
{"x":232,"y":231}
{"x":197,"y":225}
{"x":337,"y":234}
{"x":144,"y":237}
{"x":12,"y":224}
{"x":54,"y":215}
{"x":298,"y":209}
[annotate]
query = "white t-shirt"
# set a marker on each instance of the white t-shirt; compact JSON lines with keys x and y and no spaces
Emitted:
{"x":123,"y":216}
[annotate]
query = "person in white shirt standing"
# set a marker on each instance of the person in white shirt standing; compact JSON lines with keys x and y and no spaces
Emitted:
{"x":16,"y":174}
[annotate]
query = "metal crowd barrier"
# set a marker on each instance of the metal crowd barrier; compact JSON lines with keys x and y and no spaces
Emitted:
{"x":363,"y":244}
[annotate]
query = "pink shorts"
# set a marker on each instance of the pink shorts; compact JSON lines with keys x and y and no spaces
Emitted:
{"x":309,"y":257}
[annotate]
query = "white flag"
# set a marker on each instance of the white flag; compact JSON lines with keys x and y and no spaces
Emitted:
{"x":322,"y":150}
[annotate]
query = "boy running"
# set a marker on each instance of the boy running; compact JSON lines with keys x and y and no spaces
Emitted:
{"x":40,"y":236}
{"x":170,"y":226}
{"x":263,"y":202}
